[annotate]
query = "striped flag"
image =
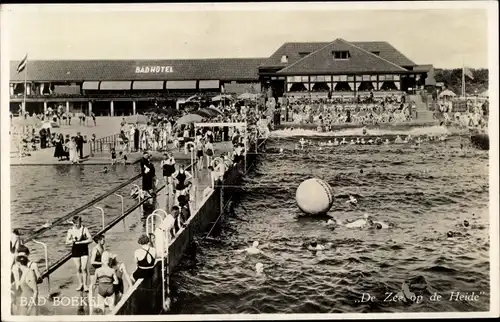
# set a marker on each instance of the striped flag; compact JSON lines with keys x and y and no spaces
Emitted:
{"x":467,"y":72}
{"x":22,"y":64}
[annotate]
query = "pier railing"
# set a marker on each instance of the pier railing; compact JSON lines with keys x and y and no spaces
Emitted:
{"x":104,"y":144}
{"x":106,"y":227}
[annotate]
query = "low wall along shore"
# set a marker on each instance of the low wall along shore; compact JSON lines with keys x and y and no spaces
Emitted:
{"x":145,"y":297}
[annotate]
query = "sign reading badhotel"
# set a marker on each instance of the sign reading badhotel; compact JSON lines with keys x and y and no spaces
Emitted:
{"x":153,"y":69}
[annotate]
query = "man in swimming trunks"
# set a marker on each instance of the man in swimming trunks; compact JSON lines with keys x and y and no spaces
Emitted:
{"x":79,"y":237}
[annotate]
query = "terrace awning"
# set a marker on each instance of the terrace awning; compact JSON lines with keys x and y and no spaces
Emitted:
{"x":189,"y":84}
{"x":209,"y":84}
{"x":147,"y":85}
{"x":90,"y":85}
{"x":121,"y":85}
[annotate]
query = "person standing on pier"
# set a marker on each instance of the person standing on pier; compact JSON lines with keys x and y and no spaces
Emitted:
{"x":79,"y":144}
{"x":79,"y":237}
{"x":145,"y":257}
{"x":148,"y":173}
{"x":168,"y":167}
{"x":181,"y":177}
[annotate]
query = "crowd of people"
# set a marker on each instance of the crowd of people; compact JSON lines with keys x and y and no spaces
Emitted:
{"x":99,"y":270}
{"x":329,"y":112}
{"x":472,"y":114}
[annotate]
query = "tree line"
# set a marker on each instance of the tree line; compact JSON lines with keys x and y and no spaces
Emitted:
{"x":452,"y":79}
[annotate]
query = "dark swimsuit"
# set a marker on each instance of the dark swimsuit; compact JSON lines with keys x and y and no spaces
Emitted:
{"x":105,"y":286}
{"x":98,"y":256}
{"x":181,"y":177}
{"x":144,"y":266}
{"x":168,"y":169}
{"x":80,"y":250}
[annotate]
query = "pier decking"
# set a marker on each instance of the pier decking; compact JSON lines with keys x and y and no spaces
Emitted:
{"x":64,"y":299}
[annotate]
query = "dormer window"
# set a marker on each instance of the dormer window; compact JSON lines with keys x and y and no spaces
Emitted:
{"x":284,"y":59}
{"x":376,"y":53}
{"x":341,"y":55}
{"x":303,"y":54}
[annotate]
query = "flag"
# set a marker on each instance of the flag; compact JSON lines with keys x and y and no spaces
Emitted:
{"x":467,"y":72}
{"x":222,"y":88}
{"x":22,"y":64}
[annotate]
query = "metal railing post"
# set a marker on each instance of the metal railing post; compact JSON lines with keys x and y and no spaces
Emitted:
{"x":166,"y":245}
{"x":121,"y":197}
{"x":46,"y":253}
{"x":102,"y":215}
{"x":192,"y":157}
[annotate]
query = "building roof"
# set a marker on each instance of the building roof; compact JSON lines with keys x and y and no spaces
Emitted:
{"x":293,"y":49}
{"x":360,"y":61}
{"x":245,"y":69}
{"x":423,"y":68}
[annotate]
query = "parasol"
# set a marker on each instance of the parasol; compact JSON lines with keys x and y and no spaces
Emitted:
{"x":447,"y":93}
{"x":205,"y":113}
{"x":221,"y":97}
{"x":190,"y":118}
{"x":248,"y":96}
{"x":214,"y":109}
{"x":46,"y":125}
{"x":133,"y":119}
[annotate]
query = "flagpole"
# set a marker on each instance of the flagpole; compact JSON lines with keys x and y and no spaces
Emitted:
{"x":25,"y":82}
{"x":463,"y":79}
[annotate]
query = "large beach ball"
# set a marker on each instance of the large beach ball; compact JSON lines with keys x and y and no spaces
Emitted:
{"x":314,"y":196}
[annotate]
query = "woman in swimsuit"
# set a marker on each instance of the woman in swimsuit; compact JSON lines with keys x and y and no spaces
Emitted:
{"x":145,"y":258}
{"x":15,"y":242}
{"x":79,"y":237}
{"x":121,"y":274}
{"x":199,"y":153}
{"x":209,"y":151}
{"x":106,"y":280}
{"x":168,"y":166}
{"x":96,"y":255}
{"x":181,"y":177}
{"x":28,"y":286}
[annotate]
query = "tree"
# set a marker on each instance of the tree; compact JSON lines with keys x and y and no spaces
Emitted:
{"x":452,"y":79}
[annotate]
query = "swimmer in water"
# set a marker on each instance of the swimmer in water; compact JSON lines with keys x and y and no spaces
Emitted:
{"x":358,"y":141}
{"x":352,"y":142}
{"x":330,"y":143}
{"x":281,"y":150}
{"x":363,"y":141}
{"x":367,"y":220}
{"x":315,"y":246}
{"x":259,"y":269}
{"x":335,"y":142}
{"x":353,"y":201}
{"x":252,"y":250}
{"x":302,"y":143}
{"x":398,"y":140}
{"x":386,"y":141}
{"x":343,"y":141}
{"x":370,"y":141}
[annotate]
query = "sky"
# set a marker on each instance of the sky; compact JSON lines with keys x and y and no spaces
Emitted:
{"x":445,"y":37}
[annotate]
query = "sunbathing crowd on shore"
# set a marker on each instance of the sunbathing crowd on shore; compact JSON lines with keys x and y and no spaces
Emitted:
{"x":362,"y":111}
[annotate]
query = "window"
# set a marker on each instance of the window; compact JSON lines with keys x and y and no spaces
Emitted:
{"x":340,"y":55}
{"x":303,"y":54}
{"x":284,"y":59}
{"x":376,"y":53}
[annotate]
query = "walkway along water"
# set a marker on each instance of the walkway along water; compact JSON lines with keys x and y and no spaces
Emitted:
{"x":62,"y":270}
{"x":146,"y":297}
